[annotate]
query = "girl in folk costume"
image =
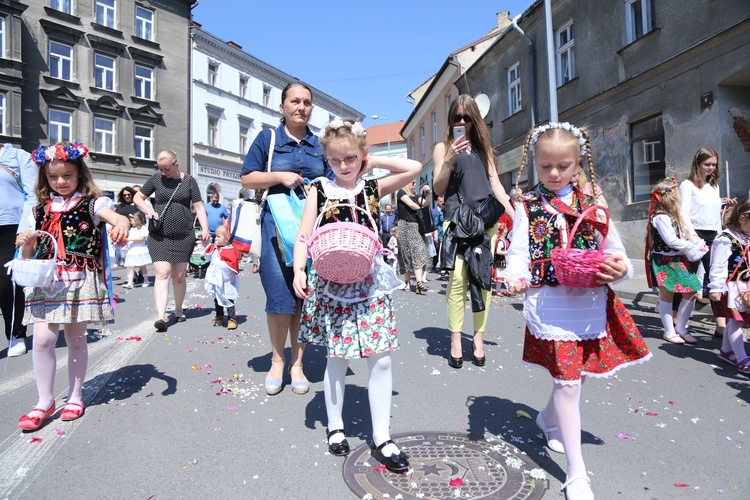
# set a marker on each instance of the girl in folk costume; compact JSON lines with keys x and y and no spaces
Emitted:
{"x":670,"y":240}
{"x":354,"y":320}
{"x":729,"y":283}
{"x":223,"y":277}
{"x":72,"y":209}
{"x":571,"y":332}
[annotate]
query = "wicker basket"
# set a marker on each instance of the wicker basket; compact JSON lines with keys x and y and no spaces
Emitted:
{"x":34,"y":272}
{"x":577,"y":268}
{"x":743,"y":297}
{"x":343,"y":252}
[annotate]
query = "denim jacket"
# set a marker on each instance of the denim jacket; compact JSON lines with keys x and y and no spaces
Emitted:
{"x":17,"y":201}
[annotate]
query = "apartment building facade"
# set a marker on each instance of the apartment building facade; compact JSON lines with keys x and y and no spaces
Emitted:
{"x":234,"y":97}
{"x":651,"y":80}
{"x":109,"y":73}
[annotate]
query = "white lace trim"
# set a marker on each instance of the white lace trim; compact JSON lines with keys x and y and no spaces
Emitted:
{"x":336,"y":192}
{"x":569,"y":336}
{"x":590,"y":374}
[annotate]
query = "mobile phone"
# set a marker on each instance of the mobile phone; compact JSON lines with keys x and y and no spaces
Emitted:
{"x":459,"y":131}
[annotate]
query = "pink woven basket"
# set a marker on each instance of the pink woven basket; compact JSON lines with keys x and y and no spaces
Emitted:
{"x":575,"y":267}
{"x":343,"y":252}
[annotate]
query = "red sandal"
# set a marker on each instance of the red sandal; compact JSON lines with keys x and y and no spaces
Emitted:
{"x":744,"y":366}
{"x":29,"y":423}
{"x":69,"y":414}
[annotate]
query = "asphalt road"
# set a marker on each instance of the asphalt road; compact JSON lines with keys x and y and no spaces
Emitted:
{"x":184,"y":414}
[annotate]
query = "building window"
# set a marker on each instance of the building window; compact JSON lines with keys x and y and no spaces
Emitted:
{"x":104,"y":72}
{"x":514,"y":89}
{"x":60,"y":60}
{"x":60,"y":126}
{"x":213,"y":131}
{"x":3,"y":38}
{"x":434,"y":128}
{"x":104,"y":135}
{"x":144,"y":82}
{"x":62,"y":5}
{"x":448,"y":101}
{"x":647,"y":163}
{"x":266,"y":95}
{"x":144,"y":141}
{"x":144,"y":23}
{"x":413,"y":149}
{"x":3,"y":114}
{"x":565,"y":57}
{"x":243,"y":86}
{"x":422,"y":139}
{"x":244,"y":138}
{"x":639,"y":16}
{"x":105,"y":12}
{"x":213,"y":73}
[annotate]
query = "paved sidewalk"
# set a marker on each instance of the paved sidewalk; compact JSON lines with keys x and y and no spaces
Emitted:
{"x":636,"y":289}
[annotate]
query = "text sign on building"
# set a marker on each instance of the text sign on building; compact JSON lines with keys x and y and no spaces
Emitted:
{"x":510,"y":161}
{"x":218,"y":172}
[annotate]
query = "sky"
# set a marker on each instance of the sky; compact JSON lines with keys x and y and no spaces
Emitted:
{"x":369,"y":55}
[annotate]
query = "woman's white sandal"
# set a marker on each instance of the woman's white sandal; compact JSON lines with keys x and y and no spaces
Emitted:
{"x":553,"y":444}
{"x":586,"y":494}
{"x":674,"y":338}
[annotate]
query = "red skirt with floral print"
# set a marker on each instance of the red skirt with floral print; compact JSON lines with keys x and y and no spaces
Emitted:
{"x":567,"y":361}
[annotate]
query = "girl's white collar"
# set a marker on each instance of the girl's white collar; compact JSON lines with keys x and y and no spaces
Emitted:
{"x":334,"y":191}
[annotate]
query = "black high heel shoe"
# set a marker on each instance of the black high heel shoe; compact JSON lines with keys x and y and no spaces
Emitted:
{"x":395,"y":463}
{"x":455,"y":362}
{"x":337,"y":449}
{"x":421,"y":288}
{"x":475,"y":360}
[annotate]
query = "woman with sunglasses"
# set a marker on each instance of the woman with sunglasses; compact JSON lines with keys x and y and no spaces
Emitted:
{"x":465,"y":172}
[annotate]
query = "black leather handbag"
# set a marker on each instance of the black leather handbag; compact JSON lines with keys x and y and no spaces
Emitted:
{"x":490,"y":210}
{"x":425,"y":220}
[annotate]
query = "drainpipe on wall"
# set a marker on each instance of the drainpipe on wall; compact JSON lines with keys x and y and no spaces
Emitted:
{"x":190,"y":90}
{"x":532,"y":67}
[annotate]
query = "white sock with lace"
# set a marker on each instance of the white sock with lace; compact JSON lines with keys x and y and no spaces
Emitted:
{"x":379,"y":391}
{"x":733,"y":332}
{"x":334,"y":382}
{"x":683,"y":315}
{"x":665,"y":313}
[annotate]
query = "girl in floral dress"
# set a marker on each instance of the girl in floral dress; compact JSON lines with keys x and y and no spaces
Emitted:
{"x":573,"y":333}
{"x":669,"y":241}
{"x":352,"y":321}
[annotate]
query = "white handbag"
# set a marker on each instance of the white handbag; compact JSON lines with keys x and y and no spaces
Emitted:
{"x":34,"y":272}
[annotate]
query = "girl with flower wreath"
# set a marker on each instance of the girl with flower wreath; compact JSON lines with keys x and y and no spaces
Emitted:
{"x":353,"y":321}
{"x":573,"y":333}
{"x":670,"y":239}
{"x":73,"y":210}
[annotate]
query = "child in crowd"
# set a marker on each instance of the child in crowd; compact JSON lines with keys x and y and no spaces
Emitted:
{"x":669,"y":240}
{"x":571,"y":332}
{"x":137,"y":254}
{"x":355,"y":320}
{"x":74,"y":211}
{"x":393,"y":247}
{"x":730,"y":260}
{"x":501,"y":250}
{"x":223,"y":277}
{"x":198,"y":260}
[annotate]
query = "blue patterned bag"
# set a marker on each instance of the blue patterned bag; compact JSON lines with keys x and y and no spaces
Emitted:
{"x":286,"y":209}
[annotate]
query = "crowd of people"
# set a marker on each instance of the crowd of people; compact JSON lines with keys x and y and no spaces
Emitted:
{"x":468,"y":231}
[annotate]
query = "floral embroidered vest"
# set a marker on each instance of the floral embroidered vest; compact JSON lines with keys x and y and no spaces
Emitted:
{"x":659,"y":245}
{"x":735,"y":259}
{"x":369,"y":194}
{"x":544,"y":236}
{"x":75,"y":228}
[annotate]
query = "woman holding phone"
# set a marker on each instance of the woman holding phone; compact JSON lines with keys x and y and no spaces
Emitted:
{"x":465,"y":172}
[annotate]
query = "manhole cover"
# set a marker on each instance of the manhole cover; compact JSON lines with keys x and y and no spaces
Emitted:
{"x":486,"y":470}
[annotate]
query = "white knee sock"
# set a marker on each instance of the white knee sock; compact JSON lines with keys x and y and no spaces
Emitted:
{"x":665,"y":313}
{"x":733,"y":335}
{"x":334,"y":382}
{"x":683,"y":315}
{"x":567,"y":399}
{"x":380,"y":390}
{"x":78,"y":361}
{"x":45,"y":362}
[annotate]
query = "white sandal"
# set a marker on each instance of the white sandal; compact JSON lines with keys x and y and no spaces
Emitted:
{"x":674,"y":338}
{"x":553,"y":444}
{"x":583,"y":495}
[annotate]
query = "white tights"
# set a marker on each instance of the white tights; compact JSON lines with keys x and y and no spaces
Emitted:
{"x":563,"y":410}
{"x":379,"y":390}
{"x":733,"y":340}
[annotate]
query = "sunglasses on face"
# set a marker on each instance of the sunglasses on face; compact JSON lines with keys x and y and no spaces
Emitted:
{"x":457,"y":118}
{"x":349,"y":160}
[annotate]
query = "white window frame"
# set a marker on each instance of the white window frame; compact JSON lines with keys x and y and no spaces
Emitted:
{"x":448,"y":101}
{"x":212,"y":130}
{"x":267,"y":96}
{"x":633,"y":23}
{"x":107,"y":12}
{"x":3,"y":113}
{"x":244,"y":139}
{"x":58,"y":61}
{"x":647,"y":162}
{"x":105,"y":75}
{"x":60,"y":5}
{"x":244,"y":86}
{"x":434,"y":127}
{"x":57,"y":127}
{"x":143,"y":84}
{"x":213,"y":73}
{"x":514,"y":89}
{"x":143,"y":141}
{"x":413,"y":149}
{"x":105,"y":137}
{"x":564,"y":54}
{"x":144,"y":27}
{"x":422,"y":137}
{"x":3,"y":38}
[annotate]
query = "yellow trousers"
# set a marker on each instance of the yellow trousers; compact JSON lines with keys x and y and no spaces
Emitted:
{"x":458,"y":285}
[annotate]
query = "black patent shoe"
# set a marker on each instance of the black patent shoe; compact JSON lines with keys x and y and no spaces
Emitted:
{"x":397,"y":464}
{"x":338,"y":449}
{"x":160,"y":325}
{"x":455,"y":362}
{"x":478,"y":361}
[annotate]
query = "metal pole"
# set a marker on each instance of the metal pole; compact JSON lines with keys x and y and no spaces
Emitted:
{"x":551,"y":73}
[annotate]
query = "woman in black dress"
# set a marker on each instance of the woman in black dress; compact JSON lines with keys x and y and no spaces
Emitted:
{"x":170,"y":248}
